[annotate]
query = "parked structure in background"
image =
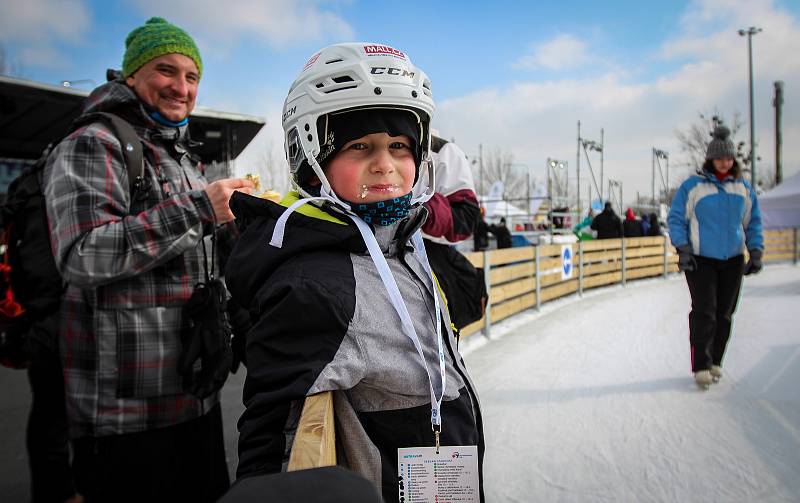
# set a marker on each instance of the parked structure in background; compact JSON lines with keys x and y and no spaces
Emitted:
{"x":33,"y":114}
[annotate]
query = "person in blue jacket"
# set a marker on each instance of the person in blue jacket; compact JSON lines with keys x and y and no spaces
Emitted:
{"x":713,"y":218}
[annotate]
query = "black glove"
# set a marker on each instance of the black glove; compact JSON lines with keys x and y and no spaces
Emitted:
{"x":207,"y":338}
{"x":754,"y":265}
{"x":686,"y":261}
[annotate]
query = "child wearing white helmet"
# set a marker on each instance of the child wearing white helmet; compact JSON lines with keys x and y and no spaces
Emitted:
{"x":338,"y":283}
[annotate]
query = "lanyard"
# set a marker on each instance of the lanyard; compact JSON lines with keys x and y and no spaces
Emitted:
{"x":405,"y":318}
{"x":394,"y":296}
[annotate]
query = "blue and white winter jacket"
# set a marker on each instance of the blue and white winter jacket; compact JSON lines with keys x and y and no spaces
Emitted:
{"x":716,"y":219}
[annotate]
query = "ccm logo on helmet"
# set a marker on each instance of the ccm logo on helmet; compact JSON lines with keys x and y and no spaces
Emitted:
{"x":383,"y":70}
{"x":384,"y":49}
{"x":289,"y":113}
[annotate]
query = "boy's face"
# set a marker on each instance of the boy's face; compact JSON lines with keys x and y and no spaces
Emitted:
{"x":375,"y":167}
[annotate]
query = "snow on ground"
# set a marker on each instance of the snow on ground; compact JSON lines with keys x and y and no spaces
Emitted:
{"x":593,"y":400}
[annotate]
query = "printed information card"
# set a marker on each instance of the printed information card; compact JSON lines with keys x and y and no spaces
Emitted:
{"x":448,"y":477}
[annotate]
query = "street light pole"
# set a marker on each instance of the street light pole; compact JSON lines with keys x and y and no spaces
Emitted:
{"x":578,"y":169}
{"x":750,"y":32}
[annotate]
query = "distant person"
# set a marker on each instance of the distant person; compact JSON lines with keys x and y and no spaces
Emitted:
{"x":655,"y":227}
{"x":581,"y":231}
{"x":645,"y":223}
{"x":453,"y":214}
{"x":607,"y":223}
{"x":481,"y":236}
{"x":632,"y":227}
{"x":714,"y":217}
{"x":502,"y":234}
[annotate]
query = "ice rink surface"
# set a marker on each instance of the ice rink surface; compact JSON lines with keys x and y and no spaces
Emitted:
{"x":593,"y":399}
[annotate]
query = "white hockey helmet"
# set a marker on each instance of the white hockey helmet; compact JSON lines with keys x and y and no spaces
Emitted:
{"x":347,"y":77}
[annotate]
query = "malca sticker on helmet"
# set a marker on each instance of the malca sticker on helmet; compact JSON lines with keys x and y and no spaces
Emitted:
{"x":383,"y":50}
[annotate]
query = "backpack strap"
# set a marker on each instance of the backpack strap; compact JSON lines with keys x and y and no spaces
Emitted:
{"x":131,"y":145}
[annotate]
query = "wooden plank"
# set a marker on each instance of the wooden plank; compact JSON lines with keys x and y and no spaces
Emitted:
{"x":552,"y":279}
{"x":554,"y":250}
{"x":779,"y":246}
{"x":509,"y":290}
{"x":644,"y":251}
{"x":644,"y":272}
{"x":778,"y":234}
{"x":776,"y":257}
{"x":602,"y":244}
{"x":512,"y":307}
{"x":602,"y":279}
{"x":603,"y":256}
{"x":473,"y":328}
{"x":315,"y":441}
{"x":644,"y":261}
{"x":564,"y":288}
{"x":509,"y":255}
{"x":552,"y":263}
{"x":644,"y":241}
{"x":779,"y":239}
{"x":500,"y":275}
{"x":476,"y":258}
{"x":594,"y":269}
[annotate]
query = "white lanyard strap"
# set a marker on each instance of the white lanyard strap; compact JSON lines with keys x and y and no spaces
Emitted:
{"x":402,"y":311}
{"x":280,"y":224}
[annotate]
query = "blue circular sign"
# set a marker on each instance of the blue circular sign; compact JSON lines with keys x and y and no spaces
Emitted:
{"x":566,"y":259}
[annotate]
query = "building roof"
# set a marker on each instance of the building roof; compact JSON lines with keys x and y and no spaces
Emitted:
{"x":33,"y":114}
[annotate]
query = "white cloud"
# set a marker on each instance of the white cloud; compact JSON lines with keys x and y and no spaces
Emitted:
{"x":535,"y":120}
{"x":279,"y":22}
{"x":42,"y":26}
{"x":564,"y":51}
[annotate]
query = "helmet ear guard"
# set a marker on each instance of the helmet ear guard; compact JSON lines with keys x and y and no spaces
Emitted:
{"x":350,"y":77}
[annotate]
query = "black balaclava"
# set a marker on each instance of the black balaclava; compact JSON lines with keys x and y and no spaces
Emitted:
{"x":337,"y":129}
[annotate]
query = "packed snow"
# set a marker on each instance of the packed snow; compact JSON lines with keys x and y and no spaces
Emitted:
{"x":593,"y":399}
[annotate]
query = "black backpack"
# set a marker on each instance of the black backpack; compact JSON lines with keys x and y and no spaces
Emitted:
{"x":30,"y":285}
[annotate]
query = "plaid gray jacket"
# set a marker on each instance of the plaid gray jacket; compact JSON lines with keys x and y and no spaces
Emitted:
{"x":130,"y":264}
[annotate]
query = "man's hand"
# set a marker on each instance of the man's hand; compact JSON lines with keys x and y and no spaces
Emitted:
{"x":686,"y":261}
{"x":754,"y":265}
{"x":220,"y":192}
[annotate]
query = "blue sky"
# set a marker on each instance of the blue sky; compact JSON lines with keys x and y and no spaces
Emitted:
{"x":509,"y":75}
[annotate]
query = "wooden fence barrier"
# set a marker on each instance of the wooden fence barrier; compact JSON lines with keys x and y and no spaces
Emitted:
{"x":522,"y":278}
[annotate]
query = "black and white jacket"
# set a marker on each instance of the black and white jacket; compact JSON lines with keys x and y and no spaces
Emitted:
{"x":323,"y":321}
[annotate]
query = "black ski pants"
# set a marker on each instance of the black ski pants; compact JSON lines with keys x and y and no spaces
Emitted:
{"x":47,"y":436}
{"x":184,"y":462}
{"x":714,"y":287}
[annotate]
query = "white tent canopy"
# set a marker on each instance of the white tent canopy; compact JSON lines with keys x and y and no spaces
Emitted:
{"x":780,"y":207}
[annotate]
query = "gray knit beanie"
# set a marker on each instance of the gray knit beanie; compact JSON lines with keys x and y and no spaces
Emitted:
{"x":721,"y":145}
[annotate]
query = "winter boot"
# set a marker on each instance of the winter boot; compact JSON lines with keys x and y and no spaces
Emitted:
{"x":716,"y":372}
{"x":703,"y":378}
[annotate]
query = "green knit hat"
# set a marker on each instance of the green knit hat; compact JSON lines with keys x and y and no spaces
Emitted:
{"x":156,"y":38}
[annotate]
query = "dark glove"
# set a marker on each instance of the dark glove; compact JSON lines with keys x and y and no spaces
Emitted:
{"x":207,"y":338}
{"x":754,"y":265}
{"x":686,"y":261}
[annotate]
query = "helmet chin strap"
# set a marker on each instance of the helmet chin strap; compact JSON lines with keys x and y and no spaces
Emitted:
{"x":430,"y":189}
{"x":327,"y":194}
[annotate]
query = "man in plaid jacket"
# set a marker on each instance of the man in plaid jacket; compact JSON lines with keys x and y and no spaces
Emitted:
{"x":131,"y":262}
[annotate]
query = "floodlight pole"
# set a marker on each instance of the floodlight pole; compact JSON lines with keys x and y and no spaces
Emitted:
{"x":750,"y":32}
{"x":578,"y":169}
